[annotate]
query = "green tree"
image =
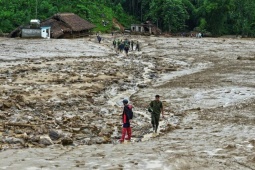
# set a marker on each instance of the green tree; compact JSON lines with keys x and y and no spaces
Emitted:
{"x":170,"y":15}
{"x":215,"y":14}
{"x":242,"y":17}
{"x":174,"y":15}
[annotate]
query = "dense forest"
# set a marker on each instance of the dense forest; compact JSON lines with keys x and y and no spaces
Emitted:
{"x":215,"y":16}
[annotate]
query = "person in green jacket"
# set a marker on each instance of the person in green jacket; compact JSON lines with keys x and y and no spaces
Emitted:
{"x":118,"y":45}
{"x":156,"y":107}
{"x":114,"y":43}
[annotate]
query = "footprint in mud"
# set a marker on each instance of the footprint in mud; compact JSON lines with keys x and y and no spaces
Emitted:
{"x":154,"y":135}
{"x":149,"y":136}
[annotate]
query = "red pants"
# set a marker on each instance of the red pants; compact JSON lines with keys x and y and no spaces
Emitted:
{"x":124,"y":131}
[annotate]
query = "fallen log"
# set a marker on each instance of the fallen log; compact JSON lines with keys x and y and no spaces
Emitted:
{"x":18,"y":124}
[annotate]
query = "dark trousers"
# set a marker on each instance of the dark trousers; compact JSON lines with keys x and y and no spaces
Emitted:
{"x":155,"y":120}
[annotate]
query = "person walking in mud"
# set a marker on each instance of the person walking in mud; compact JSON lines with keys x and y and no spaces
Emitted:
{"x":156,"y":107}
{"x":99,"y":38}
{"x":114,"y":43}
{"x":118,"y":45}
{"x":125,"y":41}
{"x":121,"y":46}
{"x":137,"y":46}
{"x":127,"y":116}
{"x":126,"y":48}
{"x":132,"y":45}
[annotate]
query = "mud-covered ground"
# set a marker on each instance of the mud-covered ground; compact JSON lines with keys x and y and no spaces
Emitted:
{"x":61,"y":104}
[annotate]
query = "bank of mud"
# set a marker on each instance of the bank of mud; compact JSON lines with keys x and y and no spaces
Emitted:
{"x":72,"y":97}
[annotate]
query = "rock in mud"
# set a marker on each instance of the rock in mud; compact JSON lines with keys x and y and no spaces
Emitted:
{"x":7,"y":104}
{"x":98,"y":140}
{"x":187,"y":128}
{"x":45,"y":140}
{"x":86,"y":131}
{"x":87,"y":141}
{"x":179,"y":114}
{"x":76,"y":130}
{"x":22,"y":136}
{"x":34,"y":139}
{"x":245,"y":58}
{"x":12,"y":140}
{"x":252,"y":142}
{"x":104,"y":111}
{"x":177,"y":127}
{"x":230,"y":146}
{"x":123,"y":88}
{"x":252,"y":159}
{"x":171,"y":69}
{"x":99,"y":101}
{"x":106,"y":132}
{"x":54,"y":134}
{"x":142,"y":85}
{"x":2,"y":116}
{"x":66,"y":141}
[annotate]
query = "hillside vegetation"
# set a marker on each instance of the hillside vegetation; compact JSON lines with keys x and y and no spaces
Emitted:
{"x":216,"y":16}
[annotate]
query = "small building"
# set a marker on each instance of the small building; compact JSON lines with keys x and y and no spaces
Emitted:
{"x":139,"y":28}
{"x":42,"y":32}
{"x":45,"y":32}
{"x":145,"y":28}
{"x":68,"y":25}
{"x":33,"y":30}
{"x":31,"y":33}
{"x":61,"y":25}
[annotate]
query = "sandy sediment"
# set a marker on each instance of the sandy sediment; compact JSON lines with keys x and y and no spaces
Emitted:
{"x":61,"y":101}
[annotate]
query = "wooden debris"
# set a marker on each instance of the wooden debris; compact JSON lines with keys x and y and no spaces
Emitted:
{"x":18,"y":124}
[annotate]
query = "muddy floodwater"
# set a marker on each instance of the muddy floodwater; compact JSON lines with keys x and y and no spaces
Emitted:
{"x":61,"y":104}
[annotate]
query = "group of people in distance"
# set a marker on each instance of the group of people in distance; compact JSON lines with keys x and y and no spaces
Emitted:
{"x":155,"y":106}
{"x":121,"y":46}
{"x":125,"y":45}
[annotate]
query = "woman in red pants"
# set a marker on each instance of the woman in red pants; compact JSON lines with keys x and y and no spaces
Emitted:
{"x":127,"y":116}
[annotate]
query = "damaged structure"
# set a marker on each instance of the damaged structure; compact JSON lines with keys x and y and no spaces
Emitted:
{"x":35,"y":31}
{"x":146,"y":28}
{"x":61,"y":25}
{"x":68,"y":25}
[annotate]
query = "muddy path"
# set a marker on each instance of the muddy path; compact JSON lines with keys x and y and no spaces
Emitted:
{"x":72,"y":97}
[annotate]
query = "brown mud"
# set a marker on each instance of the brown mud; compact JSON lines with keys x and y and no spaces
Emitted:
{"x":61,"y":104}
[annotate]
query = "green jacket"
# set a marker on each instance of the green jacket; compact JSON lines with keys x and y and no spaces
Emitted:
{"x":156,"y":106}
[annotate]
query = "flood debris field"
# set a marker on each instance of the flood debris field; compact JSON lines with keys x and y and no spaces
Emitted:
{"x":61,"y":104}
